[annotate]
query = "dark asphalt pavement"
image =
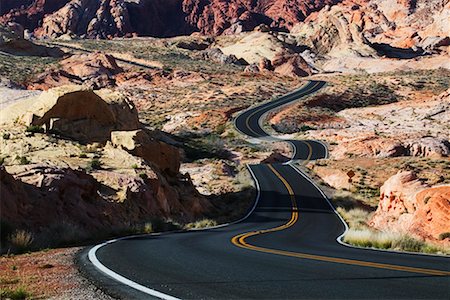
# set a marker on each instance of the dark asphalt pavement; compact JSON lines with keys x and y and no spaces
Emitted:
{"x":286,"y":249}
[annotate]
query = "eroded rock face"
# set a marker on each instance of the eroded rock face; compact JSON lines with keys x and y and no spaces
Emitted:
{"x":93,"y":18}
{"x":162,"y":18}
{"x":216,"y":16}
{"x":291,"y":64}
{"x":37,"y":197}
{"x":94,"y":70}
{"x":408,"y":206}
{"x":140,"y":143}
{"x":401,"y":29}
{"x":75,"y":112}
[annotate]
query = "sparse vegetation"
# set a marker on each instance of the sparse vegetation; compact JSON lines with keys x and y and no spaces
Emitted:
{"x":95,"y":164}
{"x":23,"y":160}
{"x":205,"y":223}
{"x":34,"y":129}
{"x":21,"y":241}
{"x":19,"y":293}
{"x":6,"y":136}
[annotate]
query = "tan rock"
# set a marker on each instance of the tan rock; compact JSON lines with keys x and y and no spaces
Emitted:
{"x":141,"y":144}
{"x":75,"y":112}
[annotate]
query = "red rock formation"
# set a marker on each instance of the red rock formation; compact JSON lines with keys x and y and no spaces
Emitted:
{"x":214,"y":16}
{"x":95,"y":70}
{"x":156,"y":17}
{"x":29,"y":13}
{"x":95,"y":19}
{"x":290,"y":64}
{"x":410,"y":207}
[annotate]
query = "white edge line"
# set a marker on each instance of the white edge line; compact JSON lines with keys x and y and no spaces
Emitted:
{"x":121,"y":279}
{"x":339,"y":238}
{"x":101,"y":267}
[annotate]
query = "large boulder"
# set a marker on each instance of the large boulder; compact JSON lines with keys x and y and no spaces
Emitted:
{"x":140,"y":143}
{"x":94,"y":70}
{"x":291,"y":64}
{"x":408,"y":206}
{"x":75,"y":112}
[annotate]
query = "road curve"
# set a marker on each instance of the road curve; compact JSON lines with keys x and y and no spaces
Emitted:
{"x":285,"y":248}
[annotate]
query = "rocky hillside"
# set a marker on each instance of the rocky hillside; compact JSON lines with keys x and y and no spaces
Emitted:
{"x":79,"y":161}
{"x":101,"y":19}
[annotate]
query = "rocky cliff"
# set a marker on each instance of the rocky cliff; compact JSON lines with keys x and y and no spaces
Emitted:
{"x":90,"y":166}
{"x":105,"y":18}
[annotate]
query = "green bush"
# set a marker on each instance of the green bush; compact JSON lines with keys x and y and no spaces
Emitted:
{"x":23,"y":160}
{"x":95,"y":164}
{"x":35,"y":129}
{"x":6,"y":136}
{"x":19,"y":293}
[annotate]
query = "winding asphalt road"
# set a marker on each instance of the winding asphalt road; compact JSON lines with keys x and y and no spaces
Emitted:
{"x":286,"y":248}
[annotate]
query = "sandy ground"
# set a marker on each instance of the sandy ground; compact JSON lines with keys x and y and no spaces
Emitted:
{"x":47,"y":274}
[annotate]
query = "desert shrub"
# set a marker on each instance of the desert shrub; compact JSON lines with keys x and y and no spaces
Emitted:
{"x":143,"y":176}
{"x":23,"y":160}
{"x":19,"y":293}
{"x":148,"y":227}
{"x":82,"y":155}
{"x":407,"y":243}
{"x":444,"y":235}
{"x":95,"y":164}
{"x":61,"y":234}
{"x":6,"y":136}
{"x":21,"y":241}
{"x":304,"y":128}
{"x":35,"y":129}
{"x":205,"y":223}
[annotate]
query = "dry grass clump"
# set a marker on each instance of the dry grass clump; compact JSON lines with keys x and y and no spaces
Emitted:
{"x":356,"y":218}
{"x":205,"y":223}
{"x":387,"y":240}
{"x":21,"y":241}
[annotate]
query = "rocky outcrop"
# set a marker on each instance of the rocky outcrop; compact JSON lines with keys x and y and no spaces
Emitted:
{"x":107,"y":18}
{"x":75,"y":112}
{"x":94,"y":70}
{"x":140,"y":143}
{"x":93,"y":18}
{"x":291,"y":64}
{"x":216,"y":55}
{"x":370,"y":27}
{"x":41,"y":197}
{"x":216,"y":16}
{"x":410,"y":207}
{"x":12,"y":41}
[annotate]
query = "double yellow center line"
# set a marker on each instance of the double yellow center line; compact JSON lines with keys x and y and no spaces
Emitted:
{"x":240,"y":241}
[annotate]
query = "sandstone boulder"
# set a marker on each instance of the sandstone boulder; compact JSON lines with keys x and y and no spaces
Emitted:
{"x":215,"y":54}
{"x":142,"y":144}
{"x":410,"y":207}
{"x":75,"y":112}
{"x":94,"y":70}
{"x":291,"y":64}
